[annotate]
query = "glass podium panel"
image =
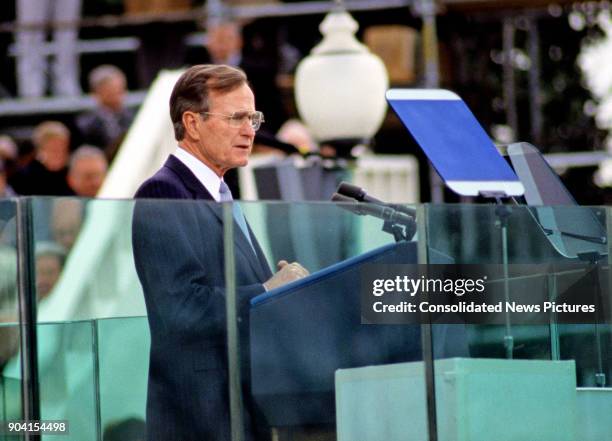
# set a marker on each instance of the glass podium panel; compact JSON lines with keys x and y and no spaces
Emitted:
{"x":10,"y":330}
{"x":179,"y":253}
{"x":159,"y":308}
{"x":306,"y":366}
{"x":83,"y":259}
{"x":115,"y":257}
{"x":67,"y":377}
{"x":123,"y":367}
{"x":87,"y":290}
{"x":528,"y":376}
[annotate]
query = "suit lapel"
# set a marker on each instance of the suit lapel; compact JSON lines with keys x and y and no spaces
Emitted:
{"x":264,"y":266}
{"x":193,"y":184}
{"x":242,"y":244}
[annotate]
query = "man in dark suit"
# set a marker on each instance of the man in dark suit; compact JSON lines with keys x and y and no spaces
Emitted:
{"x":179,"y":255}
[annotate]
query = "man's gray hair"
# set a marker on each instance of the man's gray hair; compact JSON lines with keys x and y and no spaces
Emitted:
{"x":191,"y":91}
{"x":86,"y":151}
{"x":102,"y":74}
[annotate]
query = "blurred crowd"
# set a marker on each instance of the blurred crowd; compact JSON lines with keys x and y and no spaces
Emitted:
{"x":72,"y":158}
{"x":55,"y":166}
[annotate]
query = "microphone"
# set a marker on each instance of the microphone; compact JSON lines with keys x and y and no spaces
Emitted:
{"x":359,"y":194}
{"x":383,"y":212}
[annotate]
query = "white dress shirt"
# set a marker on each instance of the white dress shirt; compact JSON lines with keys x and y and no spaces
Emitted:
{"x":205,"y":175}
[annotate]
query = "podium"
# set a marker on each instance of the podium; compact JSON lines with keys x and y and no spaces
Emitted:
{"x":303,"y":332}
{"x":477,"y":400}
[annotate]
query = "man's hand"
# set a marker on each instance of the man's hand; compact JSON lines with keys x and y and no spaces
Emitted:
{"x":287,"y":272}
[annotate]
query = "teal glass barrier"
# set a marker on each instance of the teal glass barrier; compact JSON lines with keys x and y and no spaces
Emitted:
{"x":522,"y":380}
{"x":67,"y":376}
{"x":83,"y":260}
{"x":528,"y":242}
{"x":306,"y":366}
{"x":84,"y":272}
{"x":162,"y":304}
{"x":10,"y":331}
{"x":123,"y":364}
{"x":181,"y":258}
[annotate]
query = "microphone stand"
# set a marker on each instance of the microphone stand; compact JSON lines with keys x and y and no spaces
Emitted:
{"x":401,"y":225}
{"x":399,"y":221}
{"x":399,"y":232}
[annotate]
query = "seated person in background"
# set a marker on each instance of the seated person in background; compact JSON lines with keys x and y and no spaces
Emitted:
{"x":5,"y":190}
{"x":87,"y":171}
{"x":294,"y":132}
{"x":50,"y":258}
{"x":46,"y":174}
{"x":106,"y":125}
{"x":66,"y":221}
{"x":224,"y":43}
{"x":8,"y":153}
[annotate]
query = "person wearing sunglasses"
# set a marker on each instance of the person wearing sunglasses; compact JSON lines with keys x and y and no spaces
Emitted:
{"x":179,"y":255}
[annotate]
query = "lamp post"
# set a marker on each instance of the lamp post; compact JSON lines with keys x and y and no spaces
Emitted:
{"x":340,"y":87}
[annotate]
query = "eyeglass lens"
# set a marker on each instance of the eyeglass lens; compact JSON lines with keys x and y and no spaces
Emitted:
{"x":255,"y":119}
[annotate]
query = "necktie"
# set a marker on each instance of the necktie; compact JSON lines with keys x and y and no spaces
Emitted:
{"x":225,"y":195}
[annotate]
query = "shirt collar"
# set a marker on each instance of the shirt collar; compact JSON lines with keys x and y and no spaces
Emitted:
{"x":205,"y":175}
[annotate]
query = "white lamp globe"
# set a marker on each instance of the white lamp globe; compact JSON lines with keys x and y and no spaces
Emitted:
{"x":340,"y":87}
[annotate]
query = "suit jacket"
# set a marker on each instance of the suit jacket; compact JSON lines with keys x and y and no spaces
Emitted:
{"x":178,"y":251}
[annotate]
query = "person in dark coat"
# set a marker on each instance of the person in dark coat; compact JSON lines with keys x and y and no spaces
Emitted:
{"x":46,"y":174}
{"x":106,"y":125}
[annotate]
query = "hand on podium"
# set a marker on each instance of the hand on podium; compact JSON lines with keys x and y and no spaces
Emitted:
{"x":287,"y":272}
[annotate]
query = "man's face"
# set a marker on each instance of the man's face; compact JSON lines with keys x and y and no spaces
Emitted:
{"x":111,"y":93}
{"x":87,"y":175}
{"x":53,"y":153}
{"x":221,"y":146}
{"x":224,"y":41}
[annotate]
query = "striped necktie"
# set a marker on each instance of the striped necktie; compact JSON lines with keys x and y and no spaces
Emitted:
{"x":225,"y":195}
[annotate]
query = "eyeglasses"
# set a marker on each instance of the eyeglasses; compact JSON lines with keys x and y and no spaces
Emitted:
{"x":237,"y":119}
